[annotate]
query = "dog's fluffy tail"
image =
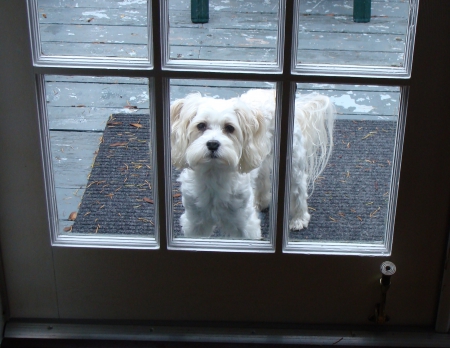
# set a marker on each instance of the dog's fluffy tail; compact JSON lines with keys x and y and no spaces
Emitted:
{"x":315,"y":114}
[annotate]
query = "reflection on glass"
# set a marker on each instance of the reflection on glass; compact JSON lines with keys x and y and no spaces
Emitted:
{"x":92,"y":29}
{"x":221,"y":147}
{"x":241,"y":31}
{"x":100,"y":135}
{"x":348,"y":201}
{"x":328,"y":34}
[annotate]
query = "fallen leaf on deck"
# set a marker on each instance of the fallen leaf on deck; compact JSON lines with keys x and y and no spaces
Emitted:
{"x":73,"y":216}
{"x":137,"y":125}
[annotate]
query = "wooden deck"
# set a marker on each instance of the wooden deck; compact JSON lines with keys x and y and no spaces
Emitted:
{"x":78,"y":107}
{"x":237,"y":30}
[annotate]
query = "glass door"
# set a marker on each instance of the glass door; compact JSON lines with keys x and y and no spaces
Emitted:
{"x":257,"y":167}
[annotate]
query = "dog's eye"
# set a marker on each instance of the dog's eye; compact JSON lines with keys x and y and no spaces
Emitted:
{"x":229,"y":128}
{"x":201,"y":126}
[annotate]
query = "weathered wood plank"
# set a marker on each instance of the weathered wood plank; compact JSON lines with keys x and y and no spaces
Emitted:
{"x":226,"y":20}
{"x":94,"y":33}
{"x":222,"y":37}
{"x":232,"y":20}
{"x":97,"y":79}
{"x":346,"y":88}
{"x":301,"y":86}
{"x":330,"y":56}
{"x":184,"y":52}
{"x":101,"y":96}
{"x":212,"y":83}
{"x":94,"y":50}
{"x":345,"y":8}
{"x":141,"y":4}
{"x":248,"y":54}
{"x":93,"y":16}
{"x":97,"y":95}
{"x":86,"y":118}
{"x":306,"y":56}
{"x":215,"y":5}
{"x":221,"y":83}
{"x":93,"y":111}
{"x":356,"y":102}
{"x":345,"y":24}
{"x":221,"y":20}
{"x":351,"y":42}
{"x":73,"y":154}
{"x":67,"y":201}
{"x":271,"y":6}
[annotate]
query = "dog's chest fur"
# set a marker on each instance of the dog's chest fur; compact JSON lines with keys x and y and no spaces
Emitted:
{"x":216,"y":194}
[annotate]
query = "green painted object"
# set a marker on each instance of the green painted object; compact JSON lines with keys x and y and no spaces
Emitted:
{"x":199,"y":11}
{"x":361,"y":11}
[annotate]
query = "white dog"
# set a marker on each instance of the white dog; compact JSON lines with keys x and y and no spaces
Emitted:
{"x":225,"y":148}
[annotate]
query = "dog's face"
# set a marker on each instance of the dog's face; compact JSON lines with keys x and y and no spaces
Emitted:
{"x":217,"y":133}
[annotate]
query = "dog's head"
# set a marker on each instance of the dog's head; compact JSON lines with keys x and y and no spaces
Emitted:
{"x":219,"y":133}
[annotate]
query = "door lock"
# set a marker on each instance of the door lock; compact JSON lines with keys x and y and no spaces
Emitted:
{"x":387,"y":269}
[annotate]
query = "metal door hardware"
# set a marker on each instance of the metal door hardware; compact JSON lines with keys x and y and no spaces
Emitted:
{"x":387,"y":270}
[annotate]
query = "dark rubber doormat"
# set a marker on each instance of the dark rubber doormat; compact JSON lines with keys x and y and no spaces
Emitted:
{"x":349,"y":203}
{"x":119,"y":196}
{"x":350,"y":199}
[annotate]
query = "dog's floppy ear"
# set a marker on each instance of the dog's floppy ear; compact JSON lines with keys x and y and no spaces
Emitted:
{"x":256,"y":143}
{"x":181,"y":113}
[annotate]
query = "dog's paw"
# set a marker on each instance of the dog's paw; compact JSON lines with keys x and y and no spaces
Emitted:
{"x":262,"y":201}
{"x":299,"y":223}
{"x":259,"y":207}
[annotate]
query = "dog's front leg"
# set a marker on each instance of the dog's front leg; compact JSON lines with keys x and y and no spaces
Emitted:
{"x":243,"y":225}
{"x":195,"y":226}
{"x":299,"y":216}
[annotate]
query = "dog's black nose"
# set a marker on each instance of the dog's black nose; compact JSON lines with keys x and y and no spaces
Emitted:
{"x":212,"y":145}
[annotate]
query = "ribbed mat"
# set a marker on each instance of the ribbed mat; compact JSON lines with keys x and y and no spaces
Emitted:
{"x":118,"y":197}
{"x":350,"y":199}
{"x":349,"y":202}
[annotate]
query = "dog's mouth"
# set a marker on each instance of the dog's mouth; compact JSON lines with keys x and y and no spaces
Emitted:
{"x":213,"y":154}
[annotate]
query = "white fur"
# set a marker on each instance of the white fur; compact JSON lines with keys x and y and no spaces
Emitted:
{"x":225,"y":150}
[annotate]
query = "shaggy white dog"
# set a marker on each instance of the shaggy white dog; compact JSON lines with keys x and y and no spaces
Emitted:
{"x":225,"y":148}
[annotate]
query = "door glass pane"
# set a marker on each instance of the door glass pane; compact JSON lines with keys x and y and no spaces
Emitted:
{"x":225,"y":31}
{"x":101,"y":151}
{"x":84,"y":28}
{"x":222,"y":144}
{"x":355,"y":33}
{"x":350,"y":184}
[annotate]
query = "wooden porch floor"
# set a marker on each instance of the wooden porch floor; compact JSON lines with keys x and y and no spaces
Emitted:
{"x":79,"y":107}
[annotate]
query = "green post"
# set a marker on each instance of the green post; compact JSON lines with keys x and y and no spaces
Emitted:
{"x":199,"y":11}
{"x":361,"y":11}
